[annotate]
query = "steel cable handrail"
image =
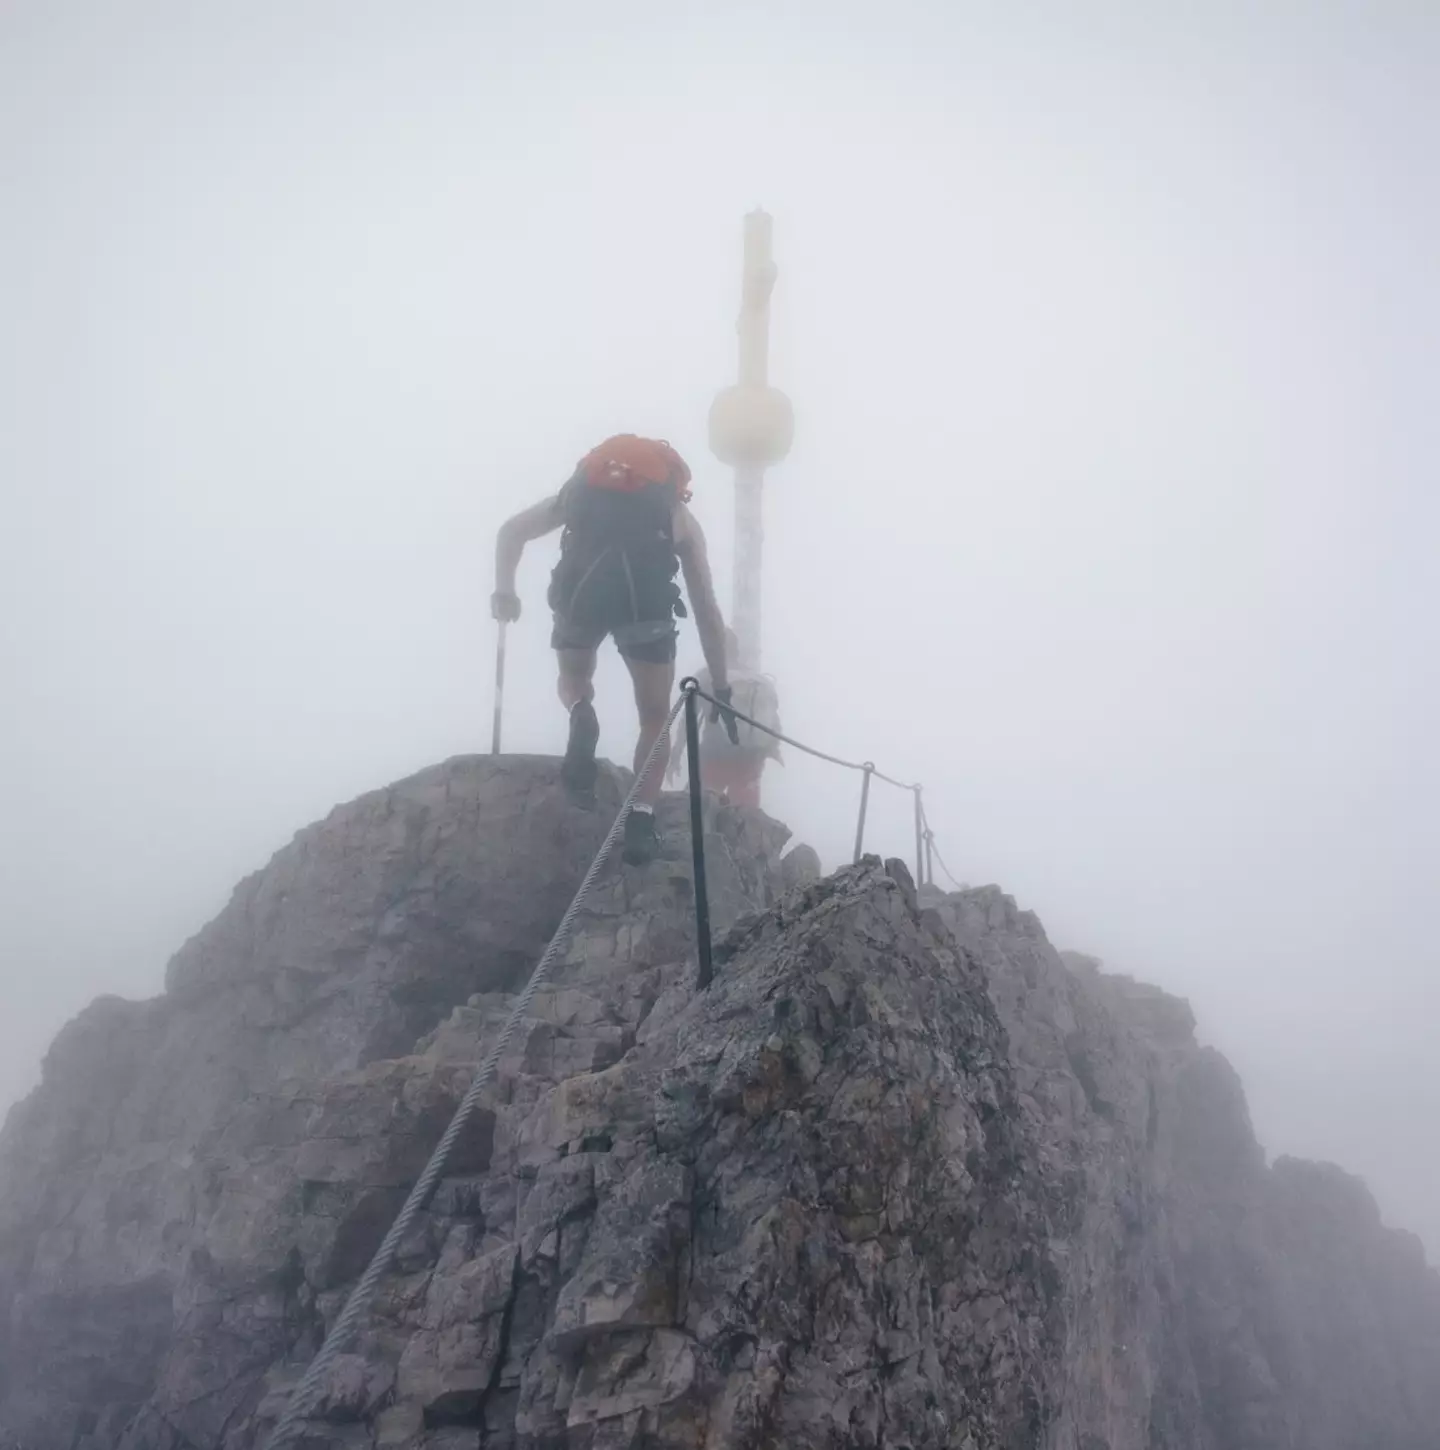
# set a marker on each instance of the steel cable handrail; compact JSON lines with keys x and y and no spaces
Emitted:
{"x":868,"y":765}
{"x":302,"y":1399}
{"x":924,"y":837}
{"x":930,"y":843}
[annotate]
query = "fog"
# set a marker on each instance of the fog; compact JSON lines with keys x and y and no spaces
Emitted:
{"x":1112,"y":517}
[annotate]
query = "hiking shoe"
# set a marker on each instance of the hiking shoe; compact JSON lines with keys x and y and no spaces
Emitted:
{"x":642,"y":841}
{"x":578,"y":770}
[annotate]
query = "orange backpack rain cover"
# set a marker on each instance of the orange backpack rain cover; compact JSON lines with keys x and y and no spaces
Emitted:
{"x":627,"y":464}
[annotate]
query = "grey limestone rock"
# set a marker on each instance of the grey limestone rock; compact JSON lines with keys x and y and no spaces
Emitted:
{"x":904,"y":1176}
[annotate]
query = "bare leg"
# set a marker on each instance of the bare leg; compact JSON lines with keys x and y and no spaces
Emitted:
{"x":745,"y":789}
{"x":735,"y":778}
{"x":653,"y":683}
{"x":577,"y":689}
{"x":577,"y":676}
{"x":718,"y":776}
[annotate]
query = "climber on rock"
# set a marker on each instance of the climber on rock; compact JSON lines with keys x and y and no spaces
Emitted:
{"x":733,"y":762}
{"x":627,"y":532}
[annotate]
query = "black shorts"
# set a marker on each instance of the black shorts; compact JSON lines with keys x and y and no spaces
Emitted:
{"x":649,"y":640}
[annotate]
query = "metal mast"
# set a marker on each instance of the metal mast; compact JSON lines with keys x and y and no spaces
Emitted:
{"x":751,"y":428}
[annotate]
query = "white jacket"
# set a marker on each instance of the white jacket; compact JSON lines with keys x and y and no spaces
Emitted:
{"x":753,"y":695}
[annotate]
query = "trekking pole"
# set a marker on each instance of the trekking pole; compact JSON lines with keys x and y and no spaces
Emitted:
{"x":499,"y":689}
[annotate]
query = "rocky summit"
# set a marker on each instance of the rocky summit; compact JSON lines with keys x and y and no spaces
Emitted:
{"x":903,"y":1176}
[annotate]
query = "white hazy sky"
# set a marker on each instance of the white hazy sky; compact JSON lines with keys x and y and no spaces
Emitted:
{"x":1112,"y":336}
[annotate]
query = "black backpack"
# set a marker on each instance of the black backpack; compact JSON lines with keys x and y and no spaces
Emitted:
{"x":617,"y":554}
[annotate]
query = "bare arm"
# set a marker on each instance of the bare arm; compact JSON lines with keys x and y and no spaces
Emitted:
{"x":534,"y":523}
{"x":695,"y":564}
